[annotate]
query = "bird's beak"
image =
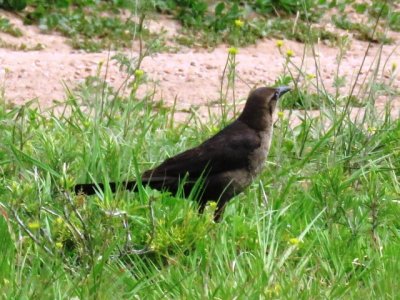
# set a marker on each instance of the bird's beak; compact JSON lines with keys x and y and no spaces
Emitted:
{"x":282,"y":90}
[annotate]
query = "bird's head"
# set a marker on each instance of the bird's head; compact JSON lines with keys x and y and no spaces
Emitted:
{"x":260,"y":106}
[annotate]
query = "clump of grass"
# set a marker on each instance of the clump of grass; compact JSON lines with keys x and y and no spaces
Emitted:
{"x":86,"y":27}
{"x":300,"y":31}
{"x":233,"y":25}
{"x":7,"y":27}
{"x":97,"y":25}
{"x":364,"y":32}
{"x":387,"y":11}
{"x":20,"y":46}
{"x":245,"y":23}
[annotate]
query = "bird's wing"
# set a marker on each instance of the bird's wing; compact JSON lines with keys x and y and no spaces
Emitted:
{"x":227,"y":150}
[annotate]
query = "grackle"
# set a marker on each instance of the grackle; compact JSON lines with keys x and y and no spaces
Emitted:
{"x":225,"y":164}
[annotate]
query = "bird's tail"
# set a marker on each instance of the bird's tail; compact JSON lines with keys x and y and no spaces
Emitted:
{"x":91,"y":188}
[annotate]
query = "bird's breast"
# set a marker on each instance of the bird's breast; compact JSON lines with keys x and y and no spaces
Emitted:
{"x":258,"y":156}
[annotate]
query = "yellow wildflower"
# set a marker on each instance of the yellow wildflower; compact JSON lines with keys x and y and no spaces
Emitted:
{"x":34,"y":225}
{"x":279,"y":43}
{"x":139,"y":73}
{"x":371,"y":129}
{"x":59,"y":245}
{"x":59,"y":220}
{"x":275,"y":290}
{"x":289,"y":53}
{"x":294,"y":241}
{"x":310,"y":76}
{"x":233,"y":51}
{"x":210,"y":209}
{"x":280,"y":114}
{"x":394,"y":66}
{"x":212,"y":205}
{"x":239,"y":23}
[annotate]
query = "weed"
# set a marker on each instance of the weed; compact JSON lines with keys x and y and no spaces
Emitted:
{"x":20,"y":46}
{"x":13,"y":4}
{"x":300,"y":31}
{"x":364,"y":32}
{"x":87,"y":29}
{"x":7,"y":27}
{"x":386,"y":10}
{"x":96,"y":25}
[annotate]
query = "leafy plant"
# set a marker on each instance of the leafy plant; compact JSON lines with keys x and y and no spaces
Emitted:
{"x":82,"y":22}
{"x":309,"y":9}
{"x":386,"y":10}
{"x":394,"y":21}
{"x":364,"y":32}
{"x":13,"y":4}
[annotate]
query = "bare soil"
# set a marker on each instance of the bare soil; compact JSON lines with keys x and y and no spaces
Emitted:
{"x":191,"y":76}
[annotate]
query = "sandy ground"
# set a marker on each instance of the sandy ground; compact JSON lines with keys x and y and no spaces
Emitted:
{"x":192,"y":76}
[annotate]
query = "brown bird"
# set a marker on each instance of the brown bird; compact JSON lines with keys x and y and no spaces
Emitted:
{"x":225,"y":164}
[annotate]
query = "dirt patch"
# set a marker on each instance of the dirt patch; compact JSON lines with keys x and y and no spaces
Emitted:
{"x":191,"y":76}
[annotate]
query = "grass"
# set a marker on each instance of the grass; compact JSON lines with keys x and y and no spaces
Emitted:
{"x":98,"y":25}
{"x":7,"y":27}
{"x":363,"y":32}
{"x":90,"y":26}
{"x":328,"y":228}
{"x":320,"y":222}
{"x":21,"y":46}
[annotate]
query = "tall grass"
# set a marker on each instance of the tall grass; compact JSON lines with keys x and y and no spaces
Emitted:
{"x":321,"y":222}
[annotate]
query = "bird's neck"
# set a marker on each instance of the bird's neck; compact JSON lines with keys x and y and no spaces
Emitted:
{"x":258,"y":119}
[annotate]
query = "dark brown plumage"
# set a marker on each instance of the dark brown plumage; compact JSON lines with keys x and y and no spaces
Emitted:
{"x":226,"y":163}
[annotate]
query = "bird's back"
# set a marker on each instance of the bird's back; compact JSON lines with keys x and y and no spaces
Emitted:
{"x":221,"y":163}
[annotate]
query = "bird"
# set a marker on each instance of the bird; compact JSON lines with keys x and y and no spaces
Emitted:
{"x":225,"y":164}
